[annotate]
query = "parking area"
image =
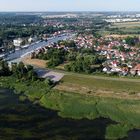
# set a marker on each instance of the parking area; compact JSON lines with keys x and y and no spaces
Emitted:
{"x":54,"y":76}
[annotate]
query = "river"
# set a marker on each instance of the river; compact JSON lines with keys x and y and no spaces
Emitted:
{"x":23,"y":120}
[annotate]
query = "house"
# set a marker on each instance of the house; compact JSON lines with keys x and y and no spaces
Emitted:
{"x":32,"y":39}
{"x":136,"y":70}
{"x":17,"y":42}
{"x":107,"y":69}
{"x":114,"y":63}
{"x":125,"y":70}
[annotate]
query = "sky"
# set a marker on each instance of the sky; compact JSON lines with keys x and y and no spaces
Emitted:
{"x":69,"y":5}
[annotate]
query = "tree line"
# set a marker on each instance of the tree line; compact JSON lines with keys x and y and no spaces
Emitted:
{"x":20,"y":71}
{"x":76,"y":60}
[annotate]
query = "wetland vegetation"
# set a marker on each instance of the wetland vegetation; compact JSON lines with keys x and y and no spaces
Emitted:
{"x":122,"y":115}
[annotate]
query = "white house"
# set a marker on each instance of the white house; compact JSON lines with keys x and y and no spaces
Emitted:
{"x":17,"y":42}
{"x":32,"y":39}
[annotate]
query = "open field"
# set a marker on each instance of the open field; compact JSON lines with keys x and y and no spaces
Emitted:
{"x":101,"y":86}
{"x":127,"y":27}
{"x":34,"y":62}
{"x":127,"y":24}
{"x":122,"y":29}
{"x":121,"y":36}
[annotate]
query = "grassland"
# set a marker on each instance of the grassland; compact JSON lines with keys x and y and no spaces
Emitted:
{"x":122,"y":29}
{"x":121,"y":36}
{"x":101,"y":86}
{"x":127,"y":24}
{"x":134,"y":29}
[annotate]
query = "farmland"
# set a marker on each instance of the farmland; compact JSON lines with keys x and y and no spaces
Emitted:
{"x":122,"y":29}
{"x":128,"y":27}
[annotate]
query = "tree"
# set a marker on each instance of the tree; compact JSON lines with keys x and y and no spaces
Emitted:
{"x":1,"y":42}
{"x":29,"y":67}
{"x":121,"y":48}
{"x":54,"y":62}
{"x":131,"y":41}
{"x":87,"y":51}
{"x":48,"y":81}
{"x":21,"y":69}
{"x":4,"y":68}
{"x":67,"y":67}
{"x":32,"y":75}
{"x":71,"y":56}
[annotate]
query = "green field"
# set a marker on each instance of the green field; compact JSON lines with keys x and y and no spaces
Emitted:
{"x":103,"y":86}
{"x":128,"y":27}
{"x":127,"y":24}
{"x":125,"y":28}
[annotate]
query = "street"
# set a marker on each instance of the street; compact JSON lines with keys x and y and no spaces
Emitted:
{"x":23,"y":52}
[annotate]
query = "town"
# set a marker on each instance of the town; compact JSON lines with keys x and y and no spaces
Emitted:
{"x":120,"y":53}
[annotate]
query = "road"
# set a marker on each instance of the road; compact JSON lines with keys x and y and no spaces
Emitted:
{"x":22,"y":52}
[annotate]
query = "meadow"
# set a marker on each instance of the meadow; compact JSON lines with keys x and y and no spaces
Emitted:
{"x":101,"y":86}
{"x":122,"y":29}
{"x":127,"y":24}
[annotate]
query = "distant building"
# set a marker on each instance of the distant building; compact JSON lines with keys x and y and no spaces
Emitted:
{"x":17,"y":42}
{"x":32,"y":39}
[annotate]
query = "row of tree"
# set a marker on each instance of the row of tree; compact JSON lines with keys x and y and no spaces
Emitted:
{"x":86,"y":63}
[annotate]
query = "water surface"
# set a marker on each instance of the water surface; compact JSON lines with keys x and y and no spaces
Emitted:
{"x":26,"y":121}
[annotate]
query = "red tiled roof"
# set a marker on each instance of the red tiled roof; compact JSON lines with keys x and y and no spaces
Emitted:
{"x":137,"y":67}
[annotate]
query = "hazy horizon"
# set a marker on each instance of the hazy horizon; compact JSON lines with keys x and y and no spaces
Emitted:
{"x":69,"y":5}
{"x":64,"y":11}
